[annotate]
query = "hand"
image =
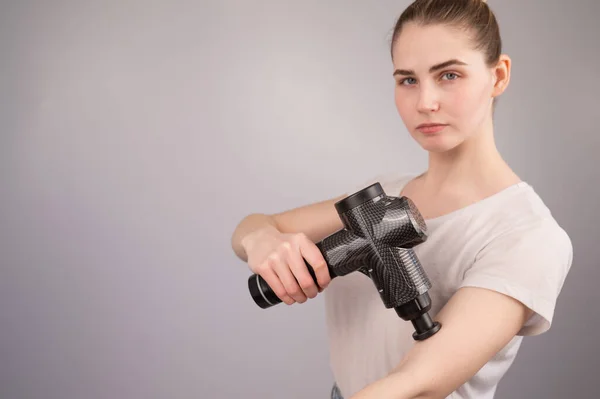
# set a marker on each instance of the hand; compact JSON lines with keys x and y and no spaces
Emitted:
{"x":279,"y":258}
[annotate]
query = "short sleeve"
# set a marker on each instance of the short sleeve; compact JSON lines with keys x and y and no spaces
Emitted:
{"x":529,"y":263}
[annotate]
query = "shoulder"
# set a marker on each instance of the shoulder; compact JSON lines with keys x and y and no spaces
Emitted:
{"x":522,"y":214}
{"x":527,"y":255}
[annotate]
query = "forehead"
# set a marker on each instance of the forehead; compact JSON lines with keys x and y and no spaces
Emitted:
{"x":419,"y":47}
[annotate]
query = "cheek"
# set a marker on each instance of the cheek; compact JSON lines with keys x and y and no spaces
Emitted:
{"x":403,"y":103}
{"x":468,"y":102}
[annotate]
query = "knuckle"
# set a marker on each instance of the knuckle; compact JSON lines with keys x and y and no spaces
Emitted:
{"x":319,"y":264}
{"x":286,"y":246}
{"x":262,"y":268}
{"x":306,"y":283}
{"x":301,"y":237}
{"x":272,"y":259}
{"x":285,"y":250}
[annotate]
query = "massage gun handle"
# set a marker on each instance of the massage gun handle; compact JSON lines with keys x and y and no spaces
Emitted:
{"x":262,"y":293}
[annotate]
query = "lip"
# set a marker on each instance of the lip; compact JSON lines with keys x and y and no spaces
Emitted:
{"x":431,"y":127}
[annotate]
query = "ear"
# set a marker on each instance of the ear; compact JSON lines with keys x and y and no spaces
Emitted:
{"x":501,"y":74}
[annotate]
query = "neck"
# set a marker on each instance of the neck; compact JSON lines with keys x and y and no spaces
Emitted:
{"x":474,"y":163}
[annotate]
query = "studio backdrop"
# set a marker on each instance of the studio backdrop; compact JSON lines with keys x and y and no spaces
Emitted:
{"x":135,"y":135}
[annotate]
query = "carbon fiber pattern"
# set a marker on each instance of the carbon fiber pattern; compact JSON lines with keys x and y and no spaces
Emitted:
{"x":377,"y":241}
{"x":414,"y":213}
{"x":344,"y":252}
{"x":383,"y":232}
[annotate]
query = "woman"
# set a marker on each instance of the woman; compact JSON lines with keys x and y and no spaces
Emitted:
{"x":496,"y":256}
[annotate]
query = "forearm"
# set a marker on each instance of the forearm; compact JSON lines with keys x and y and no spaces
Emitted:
{"x":248,"y":225}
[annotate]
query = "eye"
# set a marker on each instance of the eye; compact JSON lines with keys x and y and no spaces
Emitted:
{"x":407,"y":81}
{"x":450,"y":76}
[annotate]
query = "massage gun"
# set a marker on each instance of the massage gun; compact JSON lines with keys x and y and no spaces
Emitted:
{"x":377,"y":240}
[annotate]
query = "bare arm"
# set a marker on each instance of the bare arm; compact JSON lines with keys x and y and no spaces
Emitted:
{"x":476,"y":324}
{"x":248,"y":225}
{"x":316,"y":221}
{"x":278,"y":246}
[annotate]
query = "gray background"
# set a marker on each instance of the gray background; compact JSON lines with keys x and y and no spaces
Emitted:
{"x":135,"y":135}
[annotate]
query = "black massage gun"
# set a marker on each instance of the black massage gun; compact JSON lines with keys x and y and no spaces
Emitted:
{"x":377,"y":240}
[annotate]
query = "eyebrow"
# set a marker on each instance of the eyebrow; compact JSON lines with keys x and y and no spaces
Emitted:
{"x":432,"y":69}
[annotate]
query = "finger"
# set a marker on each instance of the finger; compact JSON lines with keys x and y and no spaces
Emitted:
{"x":315,"y":259}
{"x":271,"y":278}
{"x":290,"y":284}
{"x":300,"y":270}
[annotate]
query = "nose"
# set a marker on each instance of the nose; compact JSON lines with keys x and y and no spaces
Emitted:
{"x":428,"y":100}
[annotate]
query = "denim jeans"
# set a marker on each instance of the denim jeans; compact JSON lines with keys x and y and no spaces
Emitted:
{"x":335,"y":392}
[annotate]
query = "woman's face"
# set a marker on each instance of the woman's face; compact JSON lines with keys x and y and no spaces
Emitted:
{"x":440,"y":79}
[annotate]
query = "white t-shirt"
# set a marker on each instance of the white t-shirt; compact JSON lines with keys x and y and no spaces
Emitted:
{"x":508,"y":242}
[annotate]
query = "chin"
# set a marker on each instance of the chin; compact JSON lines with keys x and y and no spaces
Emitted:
{"x":438,"y":143}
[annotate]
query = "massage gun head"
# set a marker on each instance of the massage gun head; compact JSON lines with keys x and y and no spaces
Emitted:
{"x":372,"y":214}
{"x":380,"y":232}
{"x":391,"y":227}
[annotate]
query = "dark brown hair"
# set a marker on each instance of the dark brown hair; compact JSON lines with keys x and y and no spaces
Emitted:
{"x":473,"y":16}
